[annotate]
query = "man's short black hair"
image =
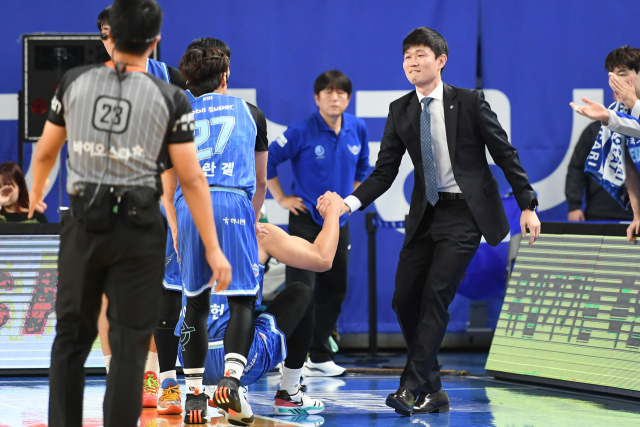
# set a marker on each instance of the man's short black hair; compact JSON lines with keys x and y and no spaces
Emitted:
{"x":103,"y":18}
{"x":623,"y":57}
{"x":203,"y":67}
{"x":208,"y":42}
{"x":134,"y":24}
{"x":424,"y":36}
{"x":335,"y":80}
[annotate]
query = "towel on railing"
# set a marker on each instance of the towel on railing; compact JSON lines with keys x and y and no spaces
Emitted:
{"x":605,"y":163}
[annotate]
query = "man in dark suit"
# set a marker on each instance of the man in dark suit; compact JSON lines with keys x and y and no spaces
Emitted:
{"x":455,"y":201}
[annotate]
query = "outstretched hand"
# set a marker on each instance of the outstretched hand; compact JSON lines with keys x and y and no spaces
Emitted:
{"x":593,"y":110}
{"x":529,"y":219}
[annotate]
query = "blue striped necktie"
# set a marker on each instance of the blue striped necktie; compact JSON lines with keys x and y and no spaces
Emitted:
{"x":428,"y":164}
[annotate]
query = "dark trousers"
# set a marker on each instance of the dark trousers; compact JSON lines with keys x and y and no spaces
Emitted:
{"x":294,"y":310}
{"x":430,"y":269}
{"x":330,"y":286}
{"x":127,"y":264}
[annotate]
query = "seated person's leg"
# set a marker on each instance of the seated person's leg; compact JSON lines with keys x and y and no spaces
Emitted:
{"x":294,"y":312}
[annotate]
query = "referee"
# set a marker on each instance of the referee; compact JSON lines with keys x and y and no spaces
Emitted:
{"x":119,"y":121}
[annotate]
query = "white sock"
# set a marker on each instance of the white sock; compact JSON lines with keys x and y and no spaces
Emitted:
{"x":290,"y":380}
{"x":193,"y":379}
{"x":165,"y":375}
{"x":234,"y":364}
{"x":152,"y":363}
{"x":107,"y":362}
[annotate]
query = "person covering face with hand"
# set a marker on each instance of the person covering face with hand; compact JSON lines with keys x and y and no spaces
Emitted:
{"x":14,"y":196}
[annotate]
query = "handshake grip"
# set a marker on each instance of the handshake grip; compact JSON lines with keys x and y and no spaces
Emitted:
{"x":330,"y":202}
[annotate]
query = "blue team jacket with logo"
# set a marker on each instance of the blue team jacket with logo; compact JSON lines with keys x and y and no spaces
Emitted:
{"x":321,"y":160}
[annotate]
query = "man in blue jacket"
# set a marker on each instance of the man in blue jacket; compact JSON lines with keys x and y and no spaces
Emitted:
{"x":329,"y":151}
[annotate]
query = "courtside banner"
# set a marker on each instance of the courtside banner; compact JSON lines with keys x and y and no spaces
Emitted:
{"x":28,"y":286}
{"x":570,"y":316}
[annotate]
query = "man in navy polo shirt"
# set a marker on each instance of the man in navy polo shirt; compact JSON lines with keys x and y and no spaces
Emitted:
{"x":329,"y":151}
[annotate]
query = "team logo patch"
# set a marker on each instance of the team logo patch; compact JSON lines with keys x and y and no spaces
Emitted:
{"x":319,"y":151}
{"x":355,"y":149}
{"x":281,"y":140}
{"x":256,"y":269}
{"x":185,"y":333}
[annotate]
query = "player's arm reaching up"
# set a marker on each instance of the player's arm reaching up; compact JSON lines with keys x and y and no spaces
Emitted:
{"x":296,"y":252}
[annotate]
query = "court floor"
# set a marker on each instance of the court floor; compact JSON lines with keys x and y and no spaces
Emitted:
{"x":358,"y":400}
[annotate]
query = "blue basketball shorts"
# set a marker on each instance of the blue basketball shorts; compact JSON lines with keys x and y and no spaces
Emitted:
{"x":234,"y":219}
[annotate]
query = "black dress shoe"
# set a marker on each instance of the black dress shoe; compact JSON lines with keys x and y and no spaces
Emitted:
{"x":402,"y":401}
{"x":431,"y":402}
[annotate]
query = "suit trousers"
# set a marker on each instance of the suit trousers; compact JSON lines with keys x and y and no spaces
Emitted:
{"x":127,"y":264}
{"x":429,"y":271}
{"x":330,"y":287}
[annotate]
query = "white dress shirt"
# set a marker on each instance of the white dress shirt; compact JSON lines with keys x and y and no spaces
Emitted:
{"x":444,"y":171}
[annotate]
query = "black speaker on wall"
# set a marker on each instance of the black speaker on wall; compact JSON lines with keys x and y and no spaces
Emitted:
{"x":46,"y":57}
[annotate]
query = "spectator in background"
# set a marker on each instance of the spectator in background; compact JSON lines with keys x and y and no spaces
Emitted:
{"x":600,"y":205}
{"x":14,"y":196}
{"x":623,"y":66}
{"x":329,"y":151}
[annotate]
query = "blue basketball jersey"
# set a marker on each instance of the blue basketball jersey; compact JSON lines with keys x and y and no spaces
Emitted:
{"x":158,"y":69}
{"x":225,"y":139}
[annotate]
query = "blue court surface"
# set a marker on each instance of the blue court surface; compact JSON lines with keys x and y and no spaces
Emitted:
{"x":358,"y":400}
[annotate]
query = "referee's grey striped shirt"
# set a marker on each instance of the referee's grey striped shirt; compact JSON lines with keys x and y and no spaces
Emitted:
{"x":150,"y":113}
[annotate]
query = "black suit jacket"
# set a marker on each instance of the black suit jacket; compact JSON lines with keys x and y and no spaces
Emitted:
{"x":470,"y":126}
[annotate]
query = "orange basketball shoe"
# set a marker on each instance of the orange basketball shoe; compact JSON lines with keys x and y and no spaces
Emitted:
{"x":150,"y":390}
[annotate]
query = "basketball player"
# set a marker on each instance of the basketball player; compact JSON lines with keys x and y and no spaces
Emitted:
{"x":285,"y":330}
{"x":236,"y":170}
